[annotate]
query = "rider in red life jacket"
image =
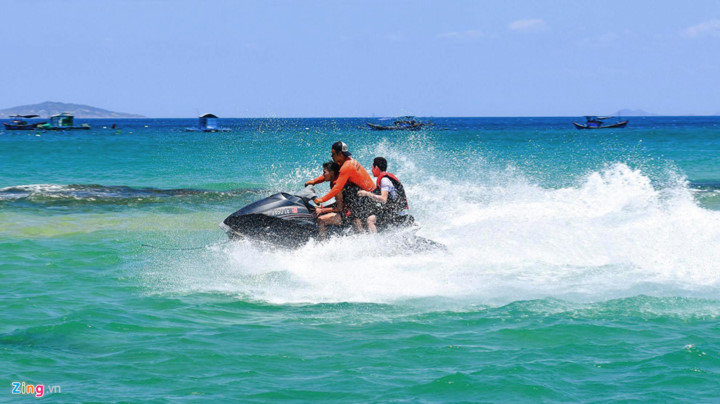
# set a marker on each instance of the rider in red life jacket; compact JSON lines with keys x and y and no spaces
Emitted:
{"x":392,"y":197}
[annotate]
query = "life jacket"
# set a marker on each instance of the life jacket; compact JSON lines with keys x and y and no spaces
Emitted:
{"x":401,"y":202}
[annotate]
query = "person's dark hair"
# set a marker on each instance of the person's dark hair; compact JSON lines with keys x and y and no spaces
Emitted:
{"x":380,"y":163}
{"x":332,"y":167}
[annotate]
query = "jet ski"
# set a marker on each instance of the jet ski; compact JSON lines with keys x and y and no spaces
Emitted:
{"x":286,"y":220}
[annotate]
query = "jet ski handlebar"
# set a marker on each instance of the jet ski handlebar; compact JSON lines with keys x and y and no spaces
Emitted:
{"x":307,"y":193}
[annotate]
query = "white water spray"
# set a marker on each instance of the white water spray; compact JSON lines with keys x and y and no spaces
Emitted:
{"x":612,"y":235}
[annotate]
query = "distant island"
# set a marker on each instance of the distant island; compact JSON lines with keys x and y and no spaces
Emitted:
{"x":633,"y":112}
{"x":48,"y":108}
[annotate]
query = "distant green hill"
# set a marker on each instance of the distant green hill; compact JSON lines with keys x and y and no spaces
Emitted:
{"x":48,"y":108}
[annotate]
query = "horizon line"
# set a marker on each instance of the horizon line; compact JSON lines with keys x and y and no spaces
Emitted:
{"x":417,"y":116}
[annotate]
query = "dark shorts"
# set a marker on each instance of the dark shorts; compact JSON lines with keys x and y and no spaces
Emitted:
{"x":360,"y":207}
{"x":385,"y":218}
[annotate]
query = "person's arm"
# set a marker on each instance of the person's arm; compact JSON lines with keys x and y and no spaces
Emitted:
{"x":315,"y":181}
{"x":382,"y":198}
{"x":337,"y":207}
{"x":339,"y":185}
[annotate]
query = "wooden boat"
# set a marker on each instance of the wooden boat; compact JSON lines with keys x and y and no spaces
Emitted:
{"x":19,"y":123}
{"x":596,"y":122}
{"x":62,"y":121}
{"x":404,"y":123}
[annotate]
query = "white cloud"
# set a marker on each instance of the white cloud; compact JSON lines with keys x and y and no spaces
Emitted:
{"x":707,"y":28}
{"x":471,"y":34}
{"x":533,"y":25}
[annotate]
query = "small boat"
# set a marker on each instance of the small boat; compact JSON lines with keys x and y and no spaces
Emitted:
{"x":404,"y":123}
{"x":596,"y":122}
{"x":19,"y":123}
{"x":208,"y":123}
{"x":63,"y":121}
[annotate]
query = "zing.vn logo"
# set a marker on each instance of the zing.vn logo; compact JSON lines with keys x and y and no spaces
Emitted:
{"x":38,"y":390}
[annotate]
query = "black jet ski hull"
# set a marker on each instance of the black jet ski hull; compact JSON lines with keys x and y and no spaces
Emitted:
{"x":270,"y":230}
{"x":287,"y":221}
{"x":280,"y":219}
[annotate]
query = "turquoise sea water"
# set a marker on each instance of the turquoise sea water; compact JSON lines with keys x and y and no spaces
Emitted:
{"x":580,"y":265}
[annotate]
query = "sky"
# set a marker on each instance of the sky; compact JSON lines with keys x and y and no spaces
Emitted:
{"x":335,"y":58}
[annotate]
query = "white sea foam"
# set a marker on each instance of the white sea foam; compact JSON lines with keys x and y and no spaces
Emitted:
{"x":23,"y":191}
{"x":611,"y":235}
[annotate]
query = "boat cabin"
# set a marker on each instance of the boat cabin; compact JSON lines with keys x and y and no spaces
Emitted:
{"x":208,"y":122}
{"x":63,"y":120}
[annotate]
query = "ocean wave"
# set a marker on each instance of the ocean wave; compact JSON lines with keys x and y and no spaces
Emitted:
{"x":51,"y":194}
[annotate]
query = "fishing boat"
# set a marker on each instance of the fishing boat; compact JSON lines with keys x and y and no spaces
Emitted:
{"x":208,"y":123}
{"x":596,"y":122}
{"x":19,"y":123}
{"x":63,"y":121}
{"x":403,"y":123}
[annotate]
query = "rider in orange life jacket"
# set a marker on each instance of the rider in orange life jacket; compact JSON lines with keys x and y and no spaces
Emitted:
{"x":332,"y":214}
{"x":353,"y":178}
{"x":392,"y":197}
